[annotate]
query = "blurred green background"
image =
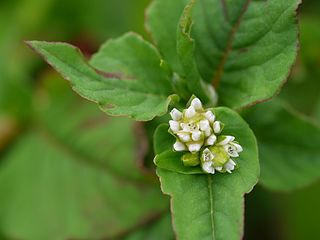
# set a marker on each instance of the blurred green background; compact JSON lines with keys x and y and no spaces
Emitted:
{"x":65,"y":174}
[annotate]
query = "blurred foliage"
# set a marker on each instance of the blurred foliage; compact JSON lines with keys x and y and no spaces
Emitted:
{"x":59,"y":183}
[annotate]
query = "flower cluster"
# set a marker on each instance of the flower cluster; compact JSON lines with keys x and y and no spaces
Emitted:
{"x":198,"y":133}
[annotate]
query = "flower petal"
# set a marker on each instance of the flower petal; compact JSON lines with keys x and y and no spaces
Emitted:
{"x":176,"y":115}
{"x":196,"y":103}
{"x":190,"y":112}
{"x":179,"y":146}
{"x":174,"y":126}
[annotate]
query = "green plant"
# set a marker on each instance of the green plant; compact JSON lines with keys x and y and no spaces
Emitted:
{"x":231,"y":55}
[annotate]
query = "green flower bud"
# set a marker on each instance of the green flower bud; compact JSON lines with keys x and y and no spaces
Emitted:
{"x":191,"y":159}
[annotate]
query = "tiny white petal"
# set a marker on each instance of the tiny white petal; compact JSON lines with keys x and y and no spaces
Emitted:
{"x":174,"y":125}
{"x":210,"y":116}
{"x":207,"y":155}
{"x":194,"y":147}
{"x":184,"y":137}
{"x":238,"y":146}
{"x":190,"y":112}
{"x":179,"y":146}
{"x":208,"y":168}
{"x":196,"y":135}
{"x":229,"y":166}
{"x":207,"y":133}
{"x":232,"y":162}
{"x":211,"y":140}
{"x":196,"y":103}
{"x":217,"y":127}
{"x":204,"y":125}
{"x":226,"y":140}
{"x":176,"y":114}
{"x":218,"y":168}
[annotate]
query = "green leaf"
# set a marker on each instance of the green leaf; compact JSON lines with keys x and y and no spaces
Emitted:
{"x":132,"y":82}
{"x":289,"y":146}
{"x":185,"y":51}
{"x":211,"y":206}
{"x":76,"y":172}
{"x":245,"y":48}
{"x":162,"y":18}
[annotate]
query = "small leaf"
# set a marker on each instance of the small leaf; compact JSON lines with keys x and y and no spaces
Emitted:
{"x":211,"y":206}
{"x":137,"y":86}
{"x":289,"y":146}
{"x":245,"y":48}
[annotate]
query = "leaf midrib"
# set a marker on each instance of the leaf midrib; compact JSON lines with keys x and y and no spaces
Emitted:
{"x":228,"y":49}
{"x":211,"y":205}
{"x":98,"y":79}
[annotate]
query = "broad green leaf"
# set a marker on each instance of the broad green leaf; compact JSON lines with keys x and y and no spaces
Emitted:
{"x":211,"y":206}
{"x":74,"y":175}
{"x":161,"y":229}
{"x":162,"y":18}
{"x":132,"y":82}
{"x":289,"y":146}
{"x":245,"y":48}
{"x":185,"y":51}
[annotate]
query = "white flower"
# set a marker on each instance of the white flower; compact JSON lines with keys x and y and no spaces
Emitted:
{"x":196,"y":103}
{"x":198,"y":133}
{"x":193,"y":126}
{"x":211,"y":140}
{"x":174,"y":126}
{"x":217,"y":127}
{"x":184,"y":137}
{"x":204,"y":125}
{"x":194,"y":147}
{"x":190,"y":112}
{"x":176,"y":115}
{"x":220,"y":155}
{"x":208,"y":167}
{"x":179,"y":146}
{"x":210,"y":116}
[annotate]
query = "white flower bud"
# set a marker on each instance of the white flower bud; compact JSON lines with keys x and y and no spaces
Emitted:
{"x":179,"y":146}
{"x":226,"y":140}
{"x":231,"y":150}
{"x":194,"y":147}
{"x":176,"y":114}
{"x":174,"y":126}
{"x":196,"y":103}
{"x":237,"y":146}
{"x":219,"y":168}
{"x":207,"y":155}
{"x":210,"y":116}
{"x":217,"y":127}
{"x":190,"y":112}
{"x":211,"y":140}
{"x":196,"y":135}
{"x":208,"y":132}
{"x":199,"y":135}
{"x":184,"y":137}
{"x":204,"y":125}
{"x":208,"y":168}
{"x":229,"y":166}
